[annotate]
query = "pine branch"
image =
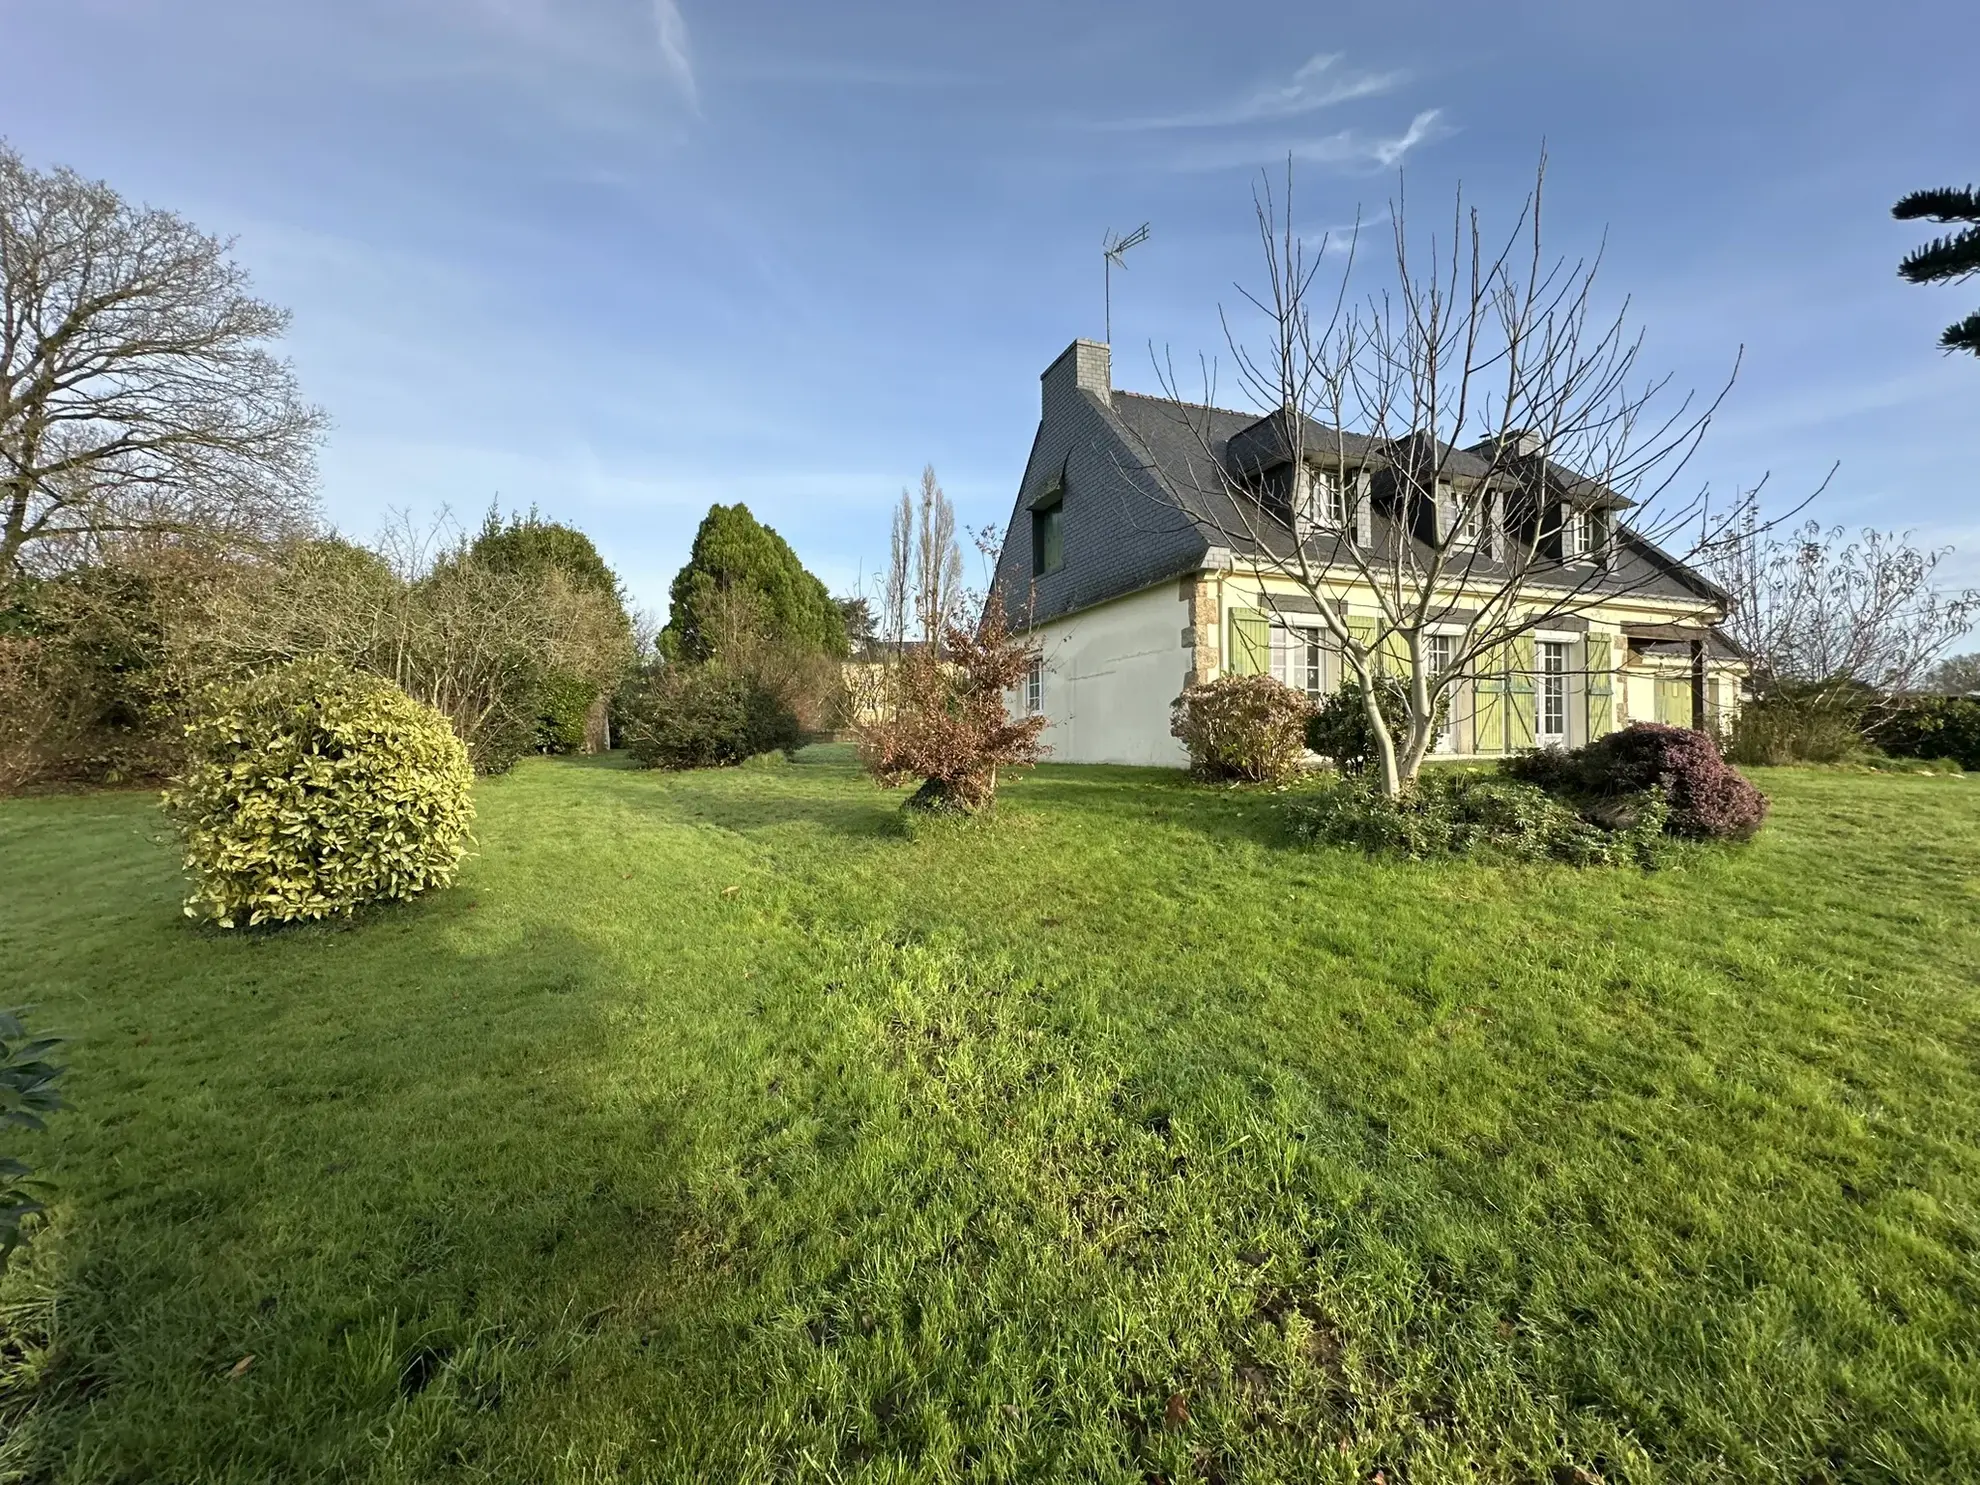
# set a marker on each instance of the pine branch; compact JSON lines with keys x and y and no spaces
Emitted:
{"x":1943,"y":260}
{"x":1944,"y":204}
{"x":1965,"y":336}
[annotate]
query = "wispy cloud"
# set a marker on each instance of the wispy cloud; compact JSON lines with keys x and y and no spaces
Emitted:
{"x":558,"y":41}
{"x":1316,"y":85}
{"x":1342,"y":237}
{"x":667,"y":20}
{"x":1345,"y":149}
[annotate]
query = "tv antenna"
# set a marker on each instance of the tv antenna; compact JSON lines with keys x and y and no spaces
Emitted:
{"x":1114,"y":250}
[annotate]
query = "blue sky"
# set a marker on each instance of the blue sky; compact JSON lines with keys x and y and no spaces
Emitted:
{"x":622,"y":258}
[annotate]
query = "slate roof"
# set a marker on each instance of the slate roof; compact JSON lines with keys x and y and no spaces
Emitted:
{"x":1146,"y":498}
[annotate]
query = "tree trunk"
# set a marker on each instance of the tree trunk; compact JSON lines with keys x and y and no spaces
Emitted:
{"x":1385,"y":742}
{"x":971,"y":795}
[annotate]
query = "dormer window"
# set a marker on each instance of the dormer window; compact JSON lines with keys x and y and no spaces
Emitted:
{"x":1048,"y":534}
{"x":1461,"y":518}
{"x":1579,"y":535}
{"x":1319,"y":501}
{"x":1333,"y":500}
{"x":1470,"y":523}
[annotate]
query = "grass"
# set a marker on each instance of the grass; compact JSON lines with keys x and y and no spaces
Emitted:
{"x":715,"y":1127}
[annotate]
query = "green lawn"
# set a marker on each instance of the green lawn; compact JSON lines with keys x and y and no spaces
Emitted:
{"x":714,"y":1128}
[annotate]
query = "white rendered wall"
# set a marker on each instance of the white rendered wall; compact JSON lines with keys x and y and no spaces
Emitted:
{"x":1110,"y":673}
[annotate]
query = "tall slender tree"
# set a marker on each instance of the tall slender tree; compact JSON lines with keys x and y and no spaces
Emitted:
{"x":938,"y":570}
{"x":1946,"y":260}
{"x":900,"y":568}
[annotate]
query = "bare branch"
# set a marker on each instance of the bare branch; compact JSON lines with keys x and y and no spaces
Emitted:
{"x":138,"y":399}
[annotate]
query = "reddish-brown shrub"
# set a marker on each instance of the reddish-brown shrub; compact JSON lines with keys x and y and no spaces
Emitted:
{"x":1709,"y":799}
{"x":945,"y":721}
{"x":1242,"y":727}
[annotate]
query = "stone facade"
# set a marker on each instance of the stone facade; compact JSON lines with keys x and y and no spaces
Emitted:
{"x":1203,"y":634}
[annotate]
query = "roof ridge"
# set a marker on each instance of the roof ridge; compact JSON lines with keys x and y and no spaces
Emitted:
{"x":1235,"y":412}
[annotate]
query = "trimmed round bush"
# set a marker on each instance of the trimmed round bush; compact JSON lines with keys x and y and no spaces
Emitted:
{"x":312,"y":789}
{"x":1709,"y":799}
{"x":1247,"y":727}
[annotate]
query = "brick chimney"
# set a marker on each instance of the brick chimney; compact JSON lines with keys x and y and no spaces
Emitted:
{"x":1084,"y":366}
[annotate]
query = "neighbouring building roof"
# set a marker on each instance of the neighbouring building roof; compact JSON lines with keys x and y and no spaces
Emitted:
{"x":1146,"y":494}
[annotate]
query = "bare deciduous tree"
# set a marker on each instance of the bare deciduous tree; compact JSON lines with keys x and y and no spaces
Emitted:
{"x":1811,"y":606}
{"x":900,"y":570}
{"x":138,"y":397}
{"x":1462,"y":442}
{"x":1957,"y":675}
{"x":947,"y":726}
{"x":938,"y":567}
{"x":471,"y":639}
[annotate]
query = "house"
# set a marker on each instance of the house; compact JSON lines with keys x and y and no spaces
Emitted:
{"x":1129,"y":560}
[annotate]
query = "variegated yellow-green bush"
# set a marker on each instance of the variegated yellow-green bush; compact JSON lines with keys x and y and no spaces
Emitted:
{"x":311,"y":789}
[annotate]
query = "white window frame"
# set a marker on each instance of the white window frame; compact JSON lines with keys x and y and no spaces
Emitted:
{"x":1468,"y":521}
{"x":1445,"y":640}
{"x":1315,"y":641}
{"x":1319,"y":500}
{"x":1578,"y":535}
{"x":1461,"y":520}
{"x":1034,"y":688}
{"x":1332,"y":501}
{"x":1551,"y":684}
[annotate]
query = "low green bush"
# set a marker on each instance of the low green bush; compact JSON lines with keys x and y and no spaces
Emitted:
{"x":1340,"y":731}
{"x":1787,"y":728}
{"x":1244,"y":727}
{"x":312,"y":789}
{"x":1451,"y":813}
{"x":705,"y":716}
{"x":1945,"y":727}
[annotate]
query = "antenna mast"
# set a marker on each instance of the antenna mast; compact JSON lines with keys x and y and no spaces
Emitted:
{"x":1113,"y":250}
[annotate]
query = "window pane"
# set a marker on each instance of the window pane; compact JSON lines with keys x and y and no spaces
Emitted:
{"x":1553,"y":690}
{"x":1048,"y":543}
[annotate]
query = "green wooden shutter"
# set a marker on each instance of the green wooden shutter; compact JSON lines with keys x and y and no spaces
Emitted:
{"x":1488,"y":701}
{"x":1522,"y":722}
{"x":1395,"y":655}
{"x":1674,"y":701}
{"x":1251,"y":642}
{"x":1362,"y":632}
{"x":1601,"y":686}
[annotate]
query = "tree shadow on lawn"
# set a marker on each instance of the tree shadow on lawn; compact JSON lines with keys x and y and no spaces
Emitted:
{"x":483,"y":1193}
{"x":750,"y":801}
{"x":1119,"y":798}
{"x":385,"y":1160}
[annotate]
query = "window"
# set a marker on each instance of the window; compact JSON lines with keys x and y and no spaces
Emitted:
{"x":1470,"y":523}
{"x":1553,"y":691}
{"x":1034,"y":688}
{"x":1462,"y":517}
{"x":1048,"y":538}
{"x":1299,"y":658}
{"x":1440,"y":650}
{"x":1578,"y":535}
{"x":1333,"y":500}
{"x":1319,"y":500}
